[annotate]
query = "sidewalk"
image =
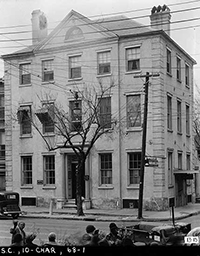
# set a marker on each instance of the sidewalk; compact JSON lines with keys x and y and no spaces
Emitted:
{"x":111,"y":214}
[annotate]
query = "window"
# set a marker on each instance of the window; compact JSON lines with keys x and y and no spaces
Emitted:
{"x":49,"y":170}
{"x":133,"y":106}
{"x":178,"y":68}
{"x":25,"y":73}
{"x":106,"y":168}
{"x":169,"y":64}
{"x":180,"y":160}
{"x":134,"y":165}
{"x":26,"y":164}
{"x":75,"y":67}
{"x":48,"y":124}
{"x":133,"y":59}
{"x":24,"y":118}
{"x":103,"y":62}
{"x":46,"y":115}
{"x":170,"y":168}
{"x":179,"y":125}
{"x":187,"y":70}
{"x":105,"y":112}
{"x":76,"y":115}
{"x":169,"y":112}
{"x":47,"y":70}
{"x":187,"y":119}
{"x":188,"y":162}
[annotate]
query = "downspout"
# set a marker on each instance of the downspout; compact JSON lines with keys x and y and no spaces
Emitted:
{"x":119,"y":137}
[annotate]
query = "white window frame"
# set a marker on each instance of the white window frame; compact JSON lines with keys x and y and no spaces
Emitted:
{"x":179,"y":116}
{"x":23,"y":72}
{"x":169,"y":113}
{"x":102,"y":64}
{"x":140,"y":112}
{"x":47,"y":72}
{"x":187,"y":75}
{"x":169,"y":62}
{"x":187,"y":125}
{"x":75,"y":65}
{"x":136,"y":59}
{"x":178,"y":68}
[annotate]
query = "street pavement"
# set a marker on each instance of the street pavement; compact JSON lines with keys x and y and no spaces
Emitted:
{"x":111,"y":214}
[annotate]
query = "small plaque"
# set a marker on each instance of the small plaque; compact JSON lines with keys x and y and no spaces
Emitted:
{"x":39,"y":182}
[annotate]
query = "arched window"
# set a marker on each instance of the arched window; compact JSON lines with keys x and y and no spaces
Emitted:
{"x":74,"y":33}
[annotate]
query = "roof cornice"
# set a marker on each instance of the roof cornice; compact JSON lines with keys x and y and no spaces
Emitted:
{"x":162,"y":33}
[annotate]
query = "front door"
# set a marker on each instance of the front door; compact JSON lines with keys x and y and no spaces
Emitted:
{"x":181,"y":195}
{"x":72,"y":165}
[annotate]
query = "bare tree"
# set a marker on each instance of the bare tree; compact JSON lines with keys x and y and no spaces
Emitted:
{"x":85,"y":122}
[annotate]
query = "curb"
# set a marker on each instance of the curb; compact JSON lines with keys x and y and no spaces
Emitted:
{"x":118,"y":218}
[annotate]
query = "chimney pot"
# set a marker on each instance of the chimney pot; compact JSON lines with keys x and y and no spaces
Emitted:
{"x":160,"y":18}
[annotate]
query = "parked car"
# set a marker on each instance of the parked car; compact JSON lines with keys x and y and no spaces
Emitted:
{"x":9,"y":204}
{"x":162,"y":234}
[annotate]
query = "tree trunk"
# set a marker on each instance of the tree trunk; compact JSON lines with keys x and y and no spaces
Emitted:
{"x":79,"y":171}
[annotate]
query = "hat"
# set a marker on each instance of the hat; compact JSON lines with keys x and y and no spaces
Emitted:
{"x":90,"y":229}
{"x":113,"y":226}
{"x":52,"y":235}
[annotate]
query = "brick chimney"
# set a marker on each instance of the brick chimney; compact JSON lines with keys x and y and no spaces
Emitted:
{"x":160,"y":18}
{"x":39,"y":26}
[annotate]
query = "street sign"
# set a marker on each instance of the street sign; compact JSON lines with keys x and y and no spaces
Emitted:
{"x":151,"y":162}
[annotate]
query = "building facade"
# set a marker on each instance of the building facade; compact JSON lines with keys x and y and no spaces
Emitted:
{"x":83,"y":52}
{"x":2,"y":138}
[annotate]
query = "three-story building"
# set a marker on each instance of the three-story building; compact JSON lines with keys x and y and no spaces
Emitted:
{"x":82,"y":52}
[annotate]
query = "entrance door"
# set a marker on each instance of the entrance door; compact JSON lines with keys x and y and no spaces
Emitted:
{"x":181,"y":195}
{"x":73,"y":167}
{"x":72,"y":163}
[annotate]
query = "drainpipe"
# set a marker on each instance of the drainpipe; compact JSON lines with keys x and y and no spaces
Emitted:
{"x":119,"y":110}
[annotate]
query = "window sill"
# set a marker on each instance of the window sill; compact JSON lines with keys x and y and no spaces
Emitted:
{"x":48,"y":187}
{"x":49,"y":134}
{"x":48,"y":82}
{"x":187,"y":86}
{"x":169,"y":74}
{"x":179,"y":133}
{"x":169,"y":130}
{"x":178,"y":80}
{"x":27,"y":187}
{"x":25,"y":85}
{"x":188,"y":135}
{"x":103,"y":187}
{"x":134,"y":129}
{"x":136,"y":186}
{"x":133,"y":72}
{"x":26,"y":136}
{"x":103,"y":75}
{"x":170,"y":186}
{"x":75,"y":79}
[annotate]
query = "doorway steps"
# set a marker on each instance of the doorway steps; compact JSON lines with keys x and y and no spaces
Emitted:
{"x":70,"y":203}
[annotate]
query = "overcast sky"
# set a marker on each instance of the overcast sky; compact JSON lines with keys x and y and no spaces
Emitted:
{"x":15,"y":13}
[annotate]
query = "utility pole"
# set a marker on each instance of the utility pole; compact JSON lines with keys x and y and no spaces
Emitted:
{"x":144,"y":135}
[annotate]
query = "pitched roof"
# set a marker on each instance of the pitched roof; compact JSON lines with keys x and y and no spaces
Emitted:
{"x":122,"y":25}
